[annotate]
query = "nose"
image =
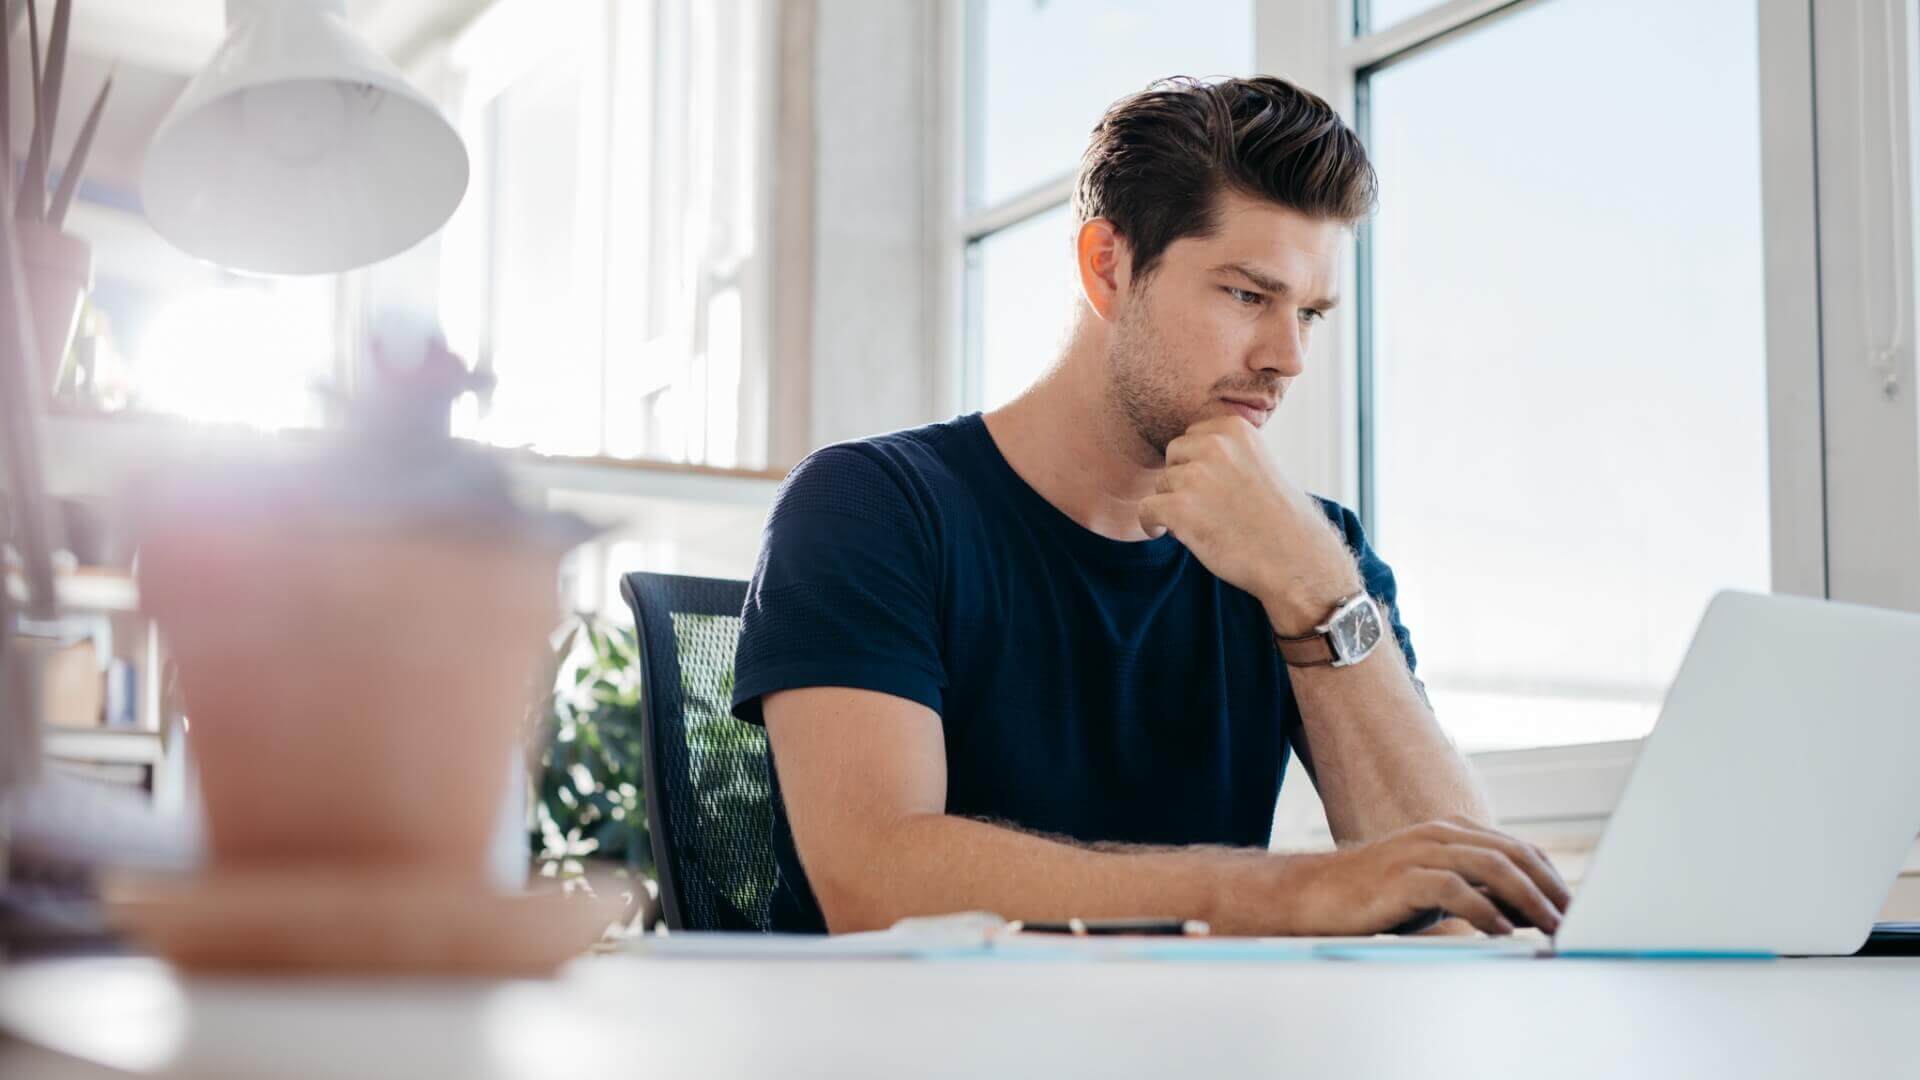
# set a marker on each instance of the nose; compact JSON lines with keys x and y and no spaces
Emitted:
{"x":1283,"y":351}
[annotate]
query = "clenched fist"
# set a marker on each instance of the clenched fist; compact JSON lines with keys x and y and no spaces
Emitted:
{"x":1225,"y":498}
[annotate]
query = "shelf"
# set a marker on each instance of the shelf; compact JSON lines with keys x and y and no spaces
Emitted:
{"x":91,"y":455}
{"x":105,"y":745}
{"x":87,"y":591}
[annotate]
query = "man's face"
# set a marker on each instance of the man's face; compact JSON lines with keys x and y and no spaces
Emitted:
{"x":1221,"y":324}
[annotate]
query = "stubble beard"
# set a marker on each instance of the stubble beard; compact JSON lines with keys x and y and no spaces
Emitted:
{"x":1144,"y":390}
{"x":1141,"y":385}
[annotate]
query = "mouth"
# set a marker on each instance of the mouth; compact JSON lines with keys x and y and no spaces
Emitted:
{"x":1254,"y":411}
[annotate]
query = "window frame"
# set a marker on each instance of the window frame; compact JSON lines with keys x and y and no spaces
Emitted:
{"x":1562,"y":795}
{"x":1793,"y":375}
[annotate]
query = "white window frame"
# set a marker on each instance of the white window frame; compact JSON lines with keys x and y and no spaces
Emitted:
{"x":958,"y":375}
{"x":1844,"y":468}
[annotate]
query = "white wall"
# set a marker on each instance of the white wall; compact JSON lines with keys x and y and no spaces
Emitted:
{"x":872,"y":320}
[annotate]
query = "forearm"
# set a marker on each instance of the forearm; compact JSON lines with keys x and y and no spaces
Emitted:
{"x":1380,"y":759}
{"x":927,"y":864}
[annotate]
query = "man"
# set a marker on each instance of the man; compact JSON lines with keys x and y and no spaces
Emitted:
{"x":1050,"y":661}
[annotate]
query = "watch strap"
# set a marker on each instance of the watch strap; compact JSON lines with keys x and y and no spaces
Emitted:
{"x":1314,"y":649}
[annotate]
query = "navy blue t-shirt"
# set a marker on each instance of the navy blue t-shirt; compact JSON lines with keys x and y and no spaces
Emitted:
{"x":1099,"y":689}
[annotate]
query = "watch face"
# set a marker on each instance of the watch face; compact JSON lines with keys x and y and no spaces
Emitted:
{"x":1356,"y":631}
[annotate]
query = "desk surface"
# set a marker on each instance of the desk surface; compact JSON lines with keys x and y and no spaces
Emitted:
{"x":633,"y":1016}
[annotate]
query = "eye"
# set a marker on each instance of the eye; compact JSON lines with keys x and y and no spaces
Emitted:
{"x":1244,"y":296}
{"x":1311,"y":315}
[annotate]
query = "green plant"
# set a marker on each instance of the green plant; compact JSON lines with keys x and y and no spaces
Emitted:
{"x":31,"y":203}
{"x":590,"y":795}
{"x":728,"y":784}
{"x":588,"y":786}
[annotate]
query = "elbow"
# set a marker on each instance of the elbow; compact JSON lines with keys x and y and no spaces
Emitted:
{"x":856,"y":883}
{"x":852,"y":914}
{"x":851,"y":906}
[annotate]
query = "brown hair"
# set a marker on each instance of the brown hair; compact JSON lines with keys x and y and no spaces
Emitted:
{"x":1159,"y":158}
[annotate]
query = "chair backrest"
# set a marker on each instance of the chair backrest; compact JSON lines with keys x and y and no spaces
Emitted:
{"x":709,"y":801}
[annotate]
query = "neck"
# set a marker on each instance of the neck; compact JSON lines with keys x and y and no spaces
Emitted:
{"x":1066,"y":439}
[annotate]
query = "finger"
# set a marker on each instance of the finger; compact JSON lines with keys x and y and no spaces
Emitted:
{"x":1218,"y":425}
{"x":1493,"y":869}
{"x":1514,"y":915}
{"x":1181,"y":450}
{"x":1196,"y":445}
{"x":1526,"y":856}
{"x":1173,"y":477}
{"x":1536,"y":864}
{"x":1153,"y":515}
{"x":1450,"y":891}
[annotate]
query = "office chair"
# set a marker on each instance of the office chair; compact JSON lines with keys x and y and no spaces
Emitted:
{"x":709,"y":802}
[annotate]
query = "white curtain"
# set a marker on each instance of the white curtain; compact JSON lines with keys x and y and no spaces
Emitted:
{"x":607,"y":263}
{"x":688,"y":134}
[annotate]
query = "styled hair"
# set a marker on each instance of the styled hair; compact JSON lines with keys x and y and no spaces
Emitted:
{"x":1159,"y":159}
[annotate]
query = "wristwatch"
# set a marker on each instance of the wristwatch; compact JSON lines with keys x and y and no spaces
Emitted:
{"x":1347,"y":637}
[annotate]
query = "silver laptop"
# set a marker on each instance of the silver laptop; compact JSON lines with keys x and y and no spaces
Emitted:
{"x":1773,"y":805}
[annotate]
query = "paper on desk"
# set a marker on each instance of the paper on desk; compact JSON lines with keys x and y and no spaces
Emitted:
{"x":982,"y":936}
{"x":962,"y":934}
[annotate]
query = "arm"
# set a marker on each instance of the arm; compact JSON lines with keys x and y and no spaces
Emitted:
{"x":1379,"y":759}
{"x":840,"y":658}
{"x":864,"y":776}
{"x":864,"y":779}
{"x":1377,"y":756}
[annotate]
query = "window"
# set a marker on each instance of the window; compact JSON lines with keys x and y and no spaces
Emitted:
{"x":166,"y":334}
{"x":608,"y":265}
{"x":1577,"y":394}
{"x":1039,"y":73}
{"x":608,"y":268}
{"x":1023,"y":283}
{"x":250,"y":352}
{"x":1567,"y":453}
{"x":1371,"y":15}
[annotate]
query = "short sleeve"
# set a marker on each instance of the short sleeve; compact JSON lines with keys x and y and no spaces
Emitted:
{"x":1375,"y":572}
{"x":844,"y":592}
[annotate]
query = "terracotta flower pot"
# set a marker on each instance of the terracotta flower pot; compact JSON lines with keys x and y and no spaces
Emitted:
{"x":59,"y":268}
{"x":354,"y":689}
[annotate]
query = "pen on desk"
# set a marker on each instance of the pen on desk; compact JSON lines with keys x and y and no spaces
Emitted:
{"x":1096,"y":927}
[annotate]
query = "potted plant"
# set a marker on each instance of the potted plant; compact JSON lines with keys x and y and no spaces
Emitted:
{"x":59,"y":265}
{"x":587,"y":818}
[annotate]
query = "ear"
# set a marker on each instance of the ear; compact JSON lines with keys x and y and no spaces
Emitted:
{"x":1101,"y":253}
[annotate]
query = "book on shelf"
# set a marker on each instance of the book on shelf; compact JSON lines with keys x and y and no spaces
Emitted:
{"x":124,"y":774}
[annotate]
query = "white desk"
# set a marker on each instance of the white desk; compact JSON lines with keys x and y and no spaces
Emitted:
{"x":682,"y":1018}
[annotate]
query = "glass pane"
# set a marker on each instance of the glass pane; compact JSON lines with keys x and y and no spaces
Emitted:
{"x":1380,"y":14}
{"x":250,"y":353}
{"x":1570,"y":416}
{"x":1022,"y":302}
{"x":1043,"y":71}
{"x":162,"y":332}
{"x":545,"y":319}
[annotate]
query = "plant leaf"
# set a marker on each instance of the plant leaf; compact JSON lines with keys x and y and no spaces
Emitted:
{"x":54,"y":78}
{"x":77,"y":161}
{"x":33,"y":186}
{"x":6,"y":107}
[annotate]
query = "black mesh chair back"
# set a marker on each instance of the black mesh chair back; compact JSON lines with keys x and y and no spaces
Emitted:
{"x":709,"y":803}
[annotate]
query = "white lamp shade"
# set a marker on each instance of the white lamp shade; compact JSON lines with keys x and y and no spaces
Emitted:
{"x":300,"y":150}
